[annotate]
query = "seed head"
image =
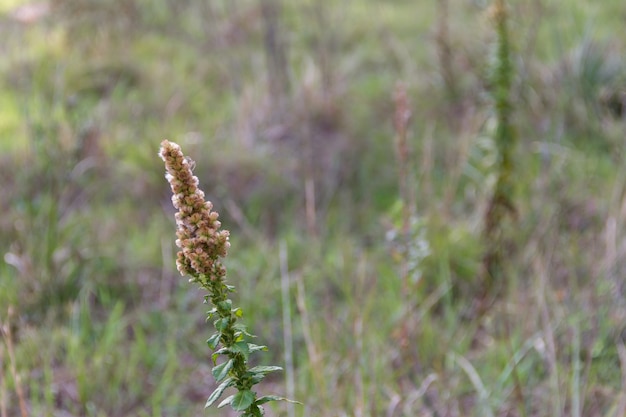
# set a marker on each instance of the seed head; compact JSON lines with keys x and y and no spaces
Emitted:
{"x":198,"y":233}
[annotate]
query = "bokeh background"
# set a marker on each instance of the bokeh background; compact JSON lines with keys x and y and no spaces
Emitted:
{"x":356,"y":255}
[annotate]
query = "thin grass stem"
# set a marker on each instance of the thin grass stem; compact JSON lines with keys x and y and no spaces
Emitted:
{"x":285,"y":282}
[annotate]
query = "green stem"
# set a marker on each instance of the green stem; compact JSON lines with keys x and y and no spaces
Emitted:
{"x":218,"y":295}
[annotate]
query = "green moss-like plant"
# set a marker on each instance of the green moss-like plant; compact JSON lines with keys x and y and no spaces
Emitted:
{"x":502,"y":200}
{"x":202,"y":245}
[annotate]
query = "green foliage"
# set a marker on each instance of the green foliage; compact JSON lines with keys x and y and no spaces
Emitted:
{"x":234,"y":372}
{"x":502,"y":202}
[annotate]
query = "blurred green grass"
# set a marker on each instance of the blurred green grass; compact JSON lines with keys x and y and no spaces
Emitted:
{"x":104,"y":326}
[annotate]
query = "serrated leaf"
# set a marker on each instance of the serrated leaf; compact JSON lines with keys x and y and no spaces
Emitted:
{"x":264,"y":369}
{"x":219,"y":391}
{"x":267,"y":398}
{"x":226,"y":400}
{"x":242,"y":400}
{"x":221,"y":371}
{"x":214,"y":340}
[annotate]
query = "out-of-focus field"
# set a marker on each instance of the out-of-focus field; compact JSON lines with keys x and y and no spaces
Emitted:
{"x":287,"y":107}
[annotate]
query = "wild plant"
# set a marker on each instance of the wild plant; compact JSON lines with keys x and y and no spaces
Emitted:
{"x":202,"y":246}
{"x":502,"y":201}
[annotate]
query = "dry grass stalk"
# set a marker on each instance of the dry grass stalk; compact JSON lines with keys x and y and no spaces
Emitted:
{"x":7,"y":335}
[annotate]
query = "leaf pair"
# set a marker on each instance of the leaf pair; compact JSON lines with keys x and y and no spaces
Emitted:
{"x":244,"y":398}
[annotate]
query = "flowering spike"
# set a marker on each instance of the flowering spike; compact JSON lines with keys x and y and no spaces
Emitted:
{"x":200,"y":241}
{"x":202,"y":244}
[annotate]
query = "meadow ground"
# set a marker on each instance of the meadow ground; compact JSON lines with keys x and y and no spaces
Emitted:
{"x":357,"y":234}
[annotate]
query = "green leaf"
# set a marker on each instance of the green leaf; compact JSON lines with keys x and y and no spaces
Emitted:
{"x":222,"y":324}
{"x":214,"y":340}
{"x":237,"y":312}
{"x":240,"y":327}
{"x":226,"y":400}
{"x":267,"y":398}
{"x":225,"y":305}
{"x":219,"y":391}
{"x":218,"y":353}
{"x":241,"y":347}
{"x":243,"y":400}
{"x":254,"y":411}
{"x":255,"y":378}
{"x":264,"y":369}
{"x":258,"y":372}
{"x":256,"y":348}
{"x":230,"y":288}
{"x":221,"y":371}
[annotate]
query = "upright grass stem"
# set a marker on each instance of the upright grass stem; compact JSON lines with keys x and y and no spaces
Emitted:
{"x":202,"y":245}
{"x":287,"y":325}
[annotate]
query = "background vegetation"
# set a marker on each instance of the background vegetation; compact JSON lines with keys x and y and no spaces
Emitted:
{"x":356,"y":245}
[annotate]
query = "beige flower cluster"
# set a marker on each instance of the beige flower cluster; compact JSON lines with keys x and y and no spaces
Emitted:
{"x":197,"y":228}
